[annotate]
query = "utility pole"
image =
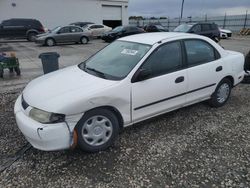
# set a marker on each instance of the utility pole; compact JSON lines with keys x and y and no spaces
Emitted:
{"x":182,"y":5}
{"x":245,"y":22}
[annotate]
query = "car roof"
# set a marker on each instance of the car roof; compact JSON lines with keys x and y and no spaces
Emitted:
{"x":153,"y":38}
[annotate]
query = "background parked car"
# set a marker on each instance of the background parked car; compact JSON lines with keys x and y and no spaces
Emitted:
{"x":210,"y":30}
{"x":155,"y":28}
{"x":81,"y":24}
{"x":17,"y":28}
{"x":225,"y":33}
{"x":121,"y":31}
{"x":97,"y":30}
{"x":65,"y":34}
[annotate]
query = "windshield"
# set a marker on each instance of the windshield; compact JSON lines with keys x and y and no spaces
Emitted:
{"x":118,"y":29}
{"x":183,"y":28}
{"x":116,"y":60}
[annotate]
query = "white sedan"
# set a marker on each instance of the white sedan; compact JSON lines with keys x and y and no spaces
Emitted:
{"x":132,"y":79}
{"x":97,"y":30}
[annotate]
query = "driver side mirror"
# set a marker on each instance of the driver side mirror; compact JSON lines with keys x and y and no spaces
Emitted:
{"x":142,"y":74}
{"x":191,"y":31}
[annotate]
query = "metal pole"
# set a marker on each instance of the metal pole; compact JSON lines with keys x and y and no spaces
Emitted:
{"x":224,"y":23}
{"x":182,"y":5}
{"x":245,"y":22}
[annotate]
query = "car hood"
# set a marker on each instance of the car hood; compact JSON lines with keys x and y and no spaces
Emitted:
{"x":54,"y":91}
{"x":225,"y":31}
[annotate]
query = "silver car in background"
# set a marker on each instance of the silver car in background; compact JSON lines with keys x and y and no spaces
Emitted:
{"x":66,"y":34}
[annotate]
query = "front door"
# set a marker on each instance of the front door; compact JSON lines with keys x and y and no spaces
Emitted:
{"x":165,"y":87}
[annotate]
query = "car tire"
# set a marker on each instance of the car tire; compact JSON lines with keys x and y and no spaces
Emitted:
{"x":18,"y":71}
{"x":97,"y":130}
{"x":32,"y":36}
{"x":84,"y":40}
{"x":221,"y":94}
{"x":50,"y":42}
{"x":1,"y":73}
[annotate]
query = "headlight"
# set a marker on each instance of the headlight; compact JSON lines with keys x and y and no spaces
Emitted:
{"x":46,"y":117}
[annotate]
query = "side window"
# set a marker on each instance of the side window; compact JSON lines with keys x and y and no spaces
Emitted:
{"x":166,"y":59}
{"x":75,"y":30}
{"x":65,"y":30}
{"x":99,"y":26}
{"x":199,"y":52}
{"x":196,"y":28}
{"x":93,"y":27}
{"x":7,"y":23}
{"x":206,"y":27}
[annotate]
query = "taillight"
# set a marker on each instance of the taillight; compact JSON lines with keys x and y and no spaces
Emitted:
{"x":41,"y":29}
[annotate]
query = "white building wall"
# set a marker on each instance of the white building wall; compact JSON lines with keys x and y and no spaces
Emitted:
{"x":53,"y":13}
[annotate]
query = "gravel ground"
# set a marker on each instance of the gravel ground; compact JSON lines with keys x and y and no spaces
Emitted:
{"x":197,"y":146}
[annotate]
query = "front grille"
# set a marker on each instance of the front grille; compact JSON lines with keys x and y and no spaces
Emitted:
{"x":24,"y":104}
{"x":229,"y":34}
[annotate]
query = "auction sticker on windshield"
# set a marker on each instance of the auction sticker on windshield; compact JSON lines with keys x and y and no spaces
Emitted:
{"x":129,"y":52}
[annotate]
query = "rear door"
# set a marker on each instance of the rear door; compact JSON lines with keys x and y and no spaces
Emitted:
{"x":165,"y":88}
{"x":75,"y":34}
{"x":205,"y":69}
{"x":206,"y":30}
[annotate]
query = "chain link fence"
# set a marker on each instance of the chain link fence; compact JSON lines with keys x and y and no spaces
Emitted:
{"x":234,"y":23}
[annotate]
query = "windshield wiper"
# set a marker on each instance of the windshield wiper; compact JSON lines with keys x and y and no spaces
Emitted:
{"x":96,"y":71}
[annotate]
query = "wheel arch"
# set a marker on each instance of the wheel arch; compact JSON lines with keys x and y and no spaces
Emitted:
{"x":112,"y":109}
{"x":229,"y":77}
{"x":84,"y":36}
{"x":45,"y":41}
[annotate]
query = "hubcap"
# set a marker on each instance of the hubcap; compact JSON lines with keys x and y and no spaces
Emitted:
{"x":50,"y":42}
{"x":84,"y":40}
{"x":97,"y":130}
{"x":223,"y":93}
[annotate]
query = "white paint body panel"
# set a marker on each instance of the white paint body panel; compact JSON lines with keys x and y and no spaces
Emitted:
{"x":72,"y":91}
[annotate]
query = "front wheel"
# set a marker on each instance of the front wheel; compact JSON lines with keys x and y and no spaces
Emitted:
{"x":221,"y":94}
{"x":50,"y":42}
{"x":97,"y":130}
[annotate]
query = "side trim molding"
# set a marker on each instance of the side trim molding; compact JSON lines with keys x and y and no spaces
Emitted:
{"x":169,"y":98}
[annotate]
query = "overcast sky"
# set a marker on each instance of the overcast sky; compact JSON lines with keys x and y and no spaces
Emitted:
{"x":193,"y":8}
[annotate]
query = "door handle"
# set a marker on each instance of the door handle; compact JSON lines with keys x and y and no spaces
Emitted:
{"x":218,"y":69}
{"x":179,"y":80}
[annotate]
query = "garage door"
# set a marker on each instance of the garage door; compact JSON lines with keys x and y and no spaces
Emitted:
{"x":111,"y":12}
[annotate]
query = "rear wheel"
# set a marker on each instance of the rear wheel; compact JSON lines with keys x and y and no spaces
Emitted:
{"x":50,"y":42}
{"x":97,"y":130}
{"x":84,"y":40}
{"x":221,"y":94}
{"x":32,"y":36}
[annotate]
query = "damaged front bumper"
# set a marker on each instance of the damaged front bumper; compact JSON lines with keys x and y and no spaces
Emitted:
{"x":46,"y":137}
